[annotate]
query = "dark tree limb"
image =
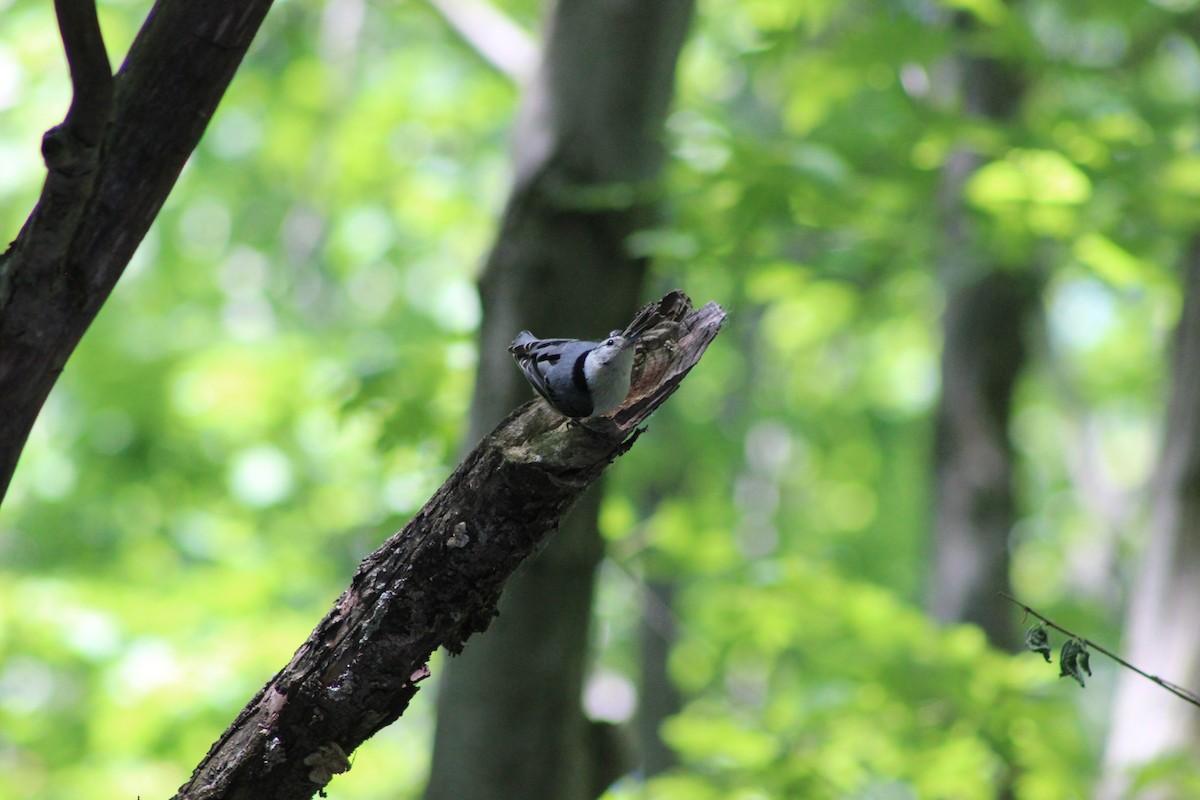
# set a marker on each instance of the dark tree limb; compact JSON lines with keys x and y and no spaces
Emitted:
{"x":72,"y":154}
{"x":434,"y":583}
{"x":111,"y":164}
{"x":91,"y":73}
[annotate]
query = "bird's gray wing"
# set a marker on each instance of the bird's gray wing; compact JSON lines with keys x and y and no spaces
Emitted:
{"x":539,"y":358}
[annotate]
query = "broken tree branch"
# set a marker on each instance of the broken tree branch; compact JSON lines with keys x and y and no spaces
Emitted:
{"x":435,"y":582}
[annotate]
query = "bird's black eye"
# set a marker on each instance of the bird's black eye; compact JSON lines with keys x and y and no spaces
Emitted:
{"x":611,"y":342}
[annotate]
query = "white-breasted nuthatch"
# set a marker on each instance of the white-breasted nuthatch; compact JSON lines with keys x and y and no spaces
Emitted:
{"x":577,"y":378}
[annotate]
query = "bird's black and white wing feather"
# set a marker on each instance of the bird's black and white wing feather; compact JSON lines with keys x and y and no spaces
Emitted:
{"x":539,"y":358}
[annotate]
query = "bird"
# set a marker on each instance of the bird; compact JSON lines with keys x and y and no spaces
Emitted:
{"x":578,"y":378}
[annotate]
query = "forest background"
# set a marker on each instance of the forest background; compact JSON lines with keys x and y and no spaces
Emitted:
{"x":956,"y":243}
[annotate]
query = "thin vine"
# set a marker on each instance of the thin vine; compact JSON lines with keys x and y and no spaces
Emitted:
{"x":1070,"y":663}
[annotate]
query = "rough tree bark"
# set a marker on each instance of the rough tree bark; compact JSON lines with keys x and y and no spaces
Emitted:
{"x":110,"y":166}
{"x":587,"y":149}
{"x":1162,"y":635}
{"x":435,"y":582}
{"x":983,"y":352}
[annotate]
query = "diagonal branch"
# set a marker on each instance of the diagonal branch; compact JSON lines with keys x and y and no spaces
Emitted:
{"x":431,"y":585}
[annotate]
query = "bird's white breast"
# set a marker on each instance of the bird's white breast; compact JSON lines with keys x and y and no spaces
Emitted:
{"x":609,"y":381}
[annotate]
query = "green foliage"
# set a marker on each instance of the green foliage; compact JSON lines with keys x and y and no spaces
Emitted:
{"x":823,"y":687}
{"x":282,"y":376}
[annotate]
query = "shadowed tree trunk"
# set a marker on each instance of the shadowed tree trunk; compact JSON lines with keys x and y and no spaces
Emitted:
{"x":1162,"y":634}
{"x":587,"y":153}
{"x":983,"y":352}
{"x":981,"y":359}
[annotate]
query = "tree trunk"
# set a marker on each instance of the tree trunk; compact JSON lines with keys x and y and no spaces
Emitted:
{"x":981,"y":358}
{"x":587,"y":152}
{"x":1162,"y":634}
{"x":982,"y":355}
